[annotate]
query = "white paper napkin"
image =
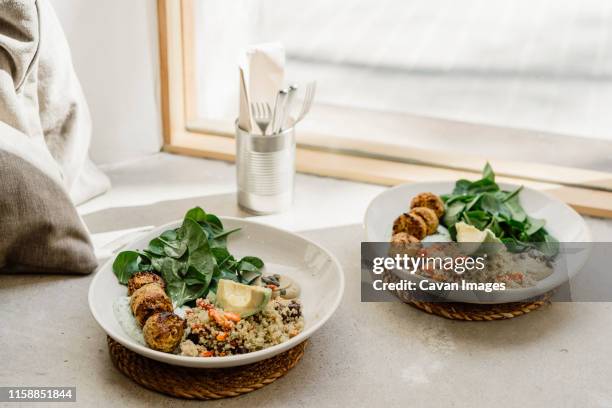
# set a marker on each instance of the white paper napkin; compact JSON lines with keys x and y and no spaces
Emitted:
{"x":264,"y":72}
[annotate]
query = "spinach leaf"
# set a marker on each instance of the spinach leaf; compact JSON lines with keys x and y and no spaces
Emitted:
{"x":214,"y":222}
{"x":171,"y":270}
{"x":125,"y":265}
{"x":212,"y":225}
{"x":193,"y":235}
{"x":225,"y":233}
{"x":167,"y":244}
{"x":156,"y":247}
{"x":495,"y":227}
{"x":169,"y":235}
{"x":461,"y":187}
{"x":487,"y":173}
{"x":258,"y":263}
{"x":514,"y":245}
{"x":248,"y":270}
{"x":180,"y":290}
{"x":224,"y":274}
{"x":482,"y":186}
{"x":220,"y":240}
{"x":174,"y":249}
{"x":516,"y":210}
{"x":202,"y":259}
{"x":534,"y":225}
{"x":221,"y":255}
{"x":473,"y":201}
{"x":157,"y":262}
{"x":510,"y":195}
{"x":490,"y":204}
{"x":196,"y":214}
{"x":196,"y":277}
{"x":550,"y":246}
{"x":466,"y":198}
{"x":453,"y":213}
{"x":477,"y":218}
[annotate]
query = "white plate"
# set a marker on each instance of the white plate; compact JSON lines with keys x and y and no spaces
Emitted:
{"x":562,"y":222}
{"x":315,"y":269}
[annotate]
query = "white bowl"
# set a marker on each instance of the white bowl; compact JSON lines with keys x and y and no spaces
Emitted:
{"x":315,"y":269}
{"x":562,"y":222}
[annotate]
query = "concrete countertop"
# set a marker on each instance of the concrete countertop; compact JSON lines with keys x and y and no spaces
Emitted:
{"x":367,"y":354}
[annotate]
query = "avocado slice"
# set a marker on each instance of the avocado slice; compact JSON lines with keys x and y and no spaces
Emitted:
{"x":469,"y":233}
{"x":472,"y":239}
{"x":491,"y":238}
{"x":242,"y":299}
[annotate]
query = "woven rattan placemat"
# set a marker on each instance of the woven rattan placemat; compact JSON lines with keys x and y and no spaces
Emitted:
{"x":470,"y":311}
{"x":204,"y":384}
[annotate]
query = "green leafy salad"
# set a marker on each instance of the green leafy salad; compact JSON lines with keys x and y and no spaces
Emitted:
{"x":191,"y":259}
{"x":484,"y":205}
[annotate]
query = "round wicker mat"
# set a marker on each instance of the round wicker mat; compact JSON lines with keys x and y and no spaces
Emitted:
{"x":471,"y":311}
{"x":204,"y":384}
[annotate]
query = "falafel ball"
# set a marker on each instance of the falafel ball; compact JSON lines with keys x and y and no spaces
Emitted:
{"x":403,"y":243}
{"x":429,"y":216}
{"x":412,"y":224}
{"x":163,"y":331}
{"x":148,"y":300}
{"x":429,"y":200}
{"x":403,"y":238}
{"x":139,"y":279}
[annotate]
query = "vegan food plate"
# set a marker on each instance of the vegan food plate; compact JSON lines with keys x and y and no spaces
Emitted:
{"x":212,"y":291}
{"x":519,"y":229}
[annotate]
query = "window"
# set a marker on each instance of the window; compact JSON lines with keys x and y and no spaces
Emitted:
{"x":409,"y":87}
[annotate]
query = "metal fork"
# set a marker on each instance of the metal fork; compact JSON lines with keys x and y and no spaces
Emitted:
{"x":279,"y":108}
{"x":262,"y":115}
{"x":311,"y":88}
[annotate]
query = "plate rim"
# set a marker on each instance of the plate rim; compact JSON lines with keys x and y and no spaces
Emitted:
{"x":228,"y":361}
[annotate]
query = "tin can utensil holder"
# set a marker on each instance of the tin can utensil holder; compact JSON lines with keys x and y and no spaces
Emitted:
{"x":265,"y":168}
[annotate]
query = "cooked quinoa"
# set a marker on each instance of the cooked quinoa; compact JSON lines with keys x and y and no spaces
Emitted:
{"x":213,"y":332}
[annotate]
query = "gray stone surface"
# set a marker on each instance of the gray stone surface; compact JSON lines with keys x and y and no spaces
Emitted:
{"x":367,"y":355}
